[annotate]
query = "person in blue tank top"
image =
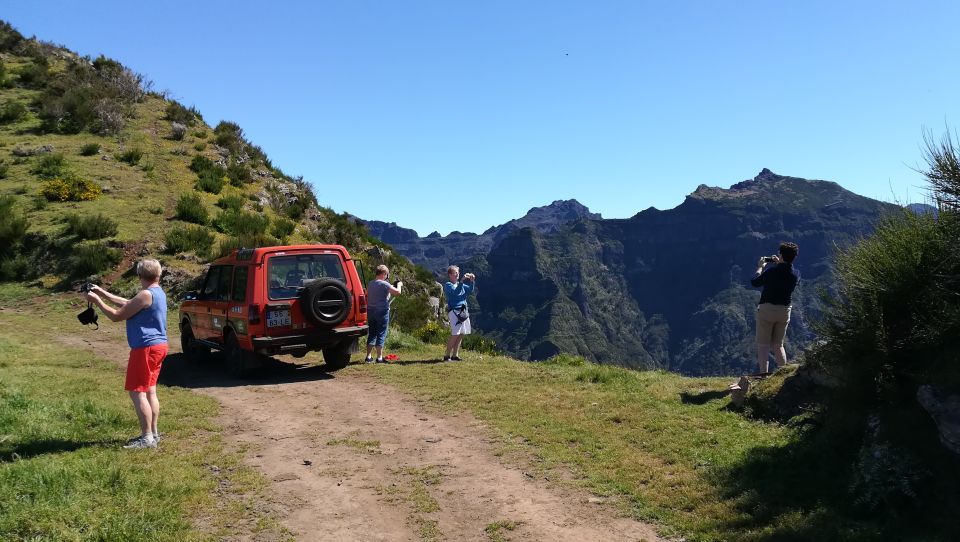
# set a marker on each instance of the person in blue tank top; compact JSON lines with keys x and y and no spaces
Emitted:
{"x":379,"y":294}
{"x":456,"y":292}
{"x":146,"y":318}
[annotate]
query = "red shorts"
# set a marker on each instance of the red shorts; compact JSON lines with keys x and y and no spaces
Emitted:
{"x":143,"y":367}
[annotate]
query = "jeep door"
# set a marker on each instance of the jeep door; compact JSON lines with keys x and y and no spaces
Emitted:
{"x":214,"y":297}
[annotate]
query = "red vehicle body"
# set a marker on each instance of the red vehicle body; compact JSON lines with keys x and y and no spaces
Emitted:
{"x":276,"y":300}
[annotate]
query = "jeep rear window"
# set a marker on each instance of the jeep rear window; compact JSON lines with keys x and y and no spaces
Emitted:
{"x":287,"y":275}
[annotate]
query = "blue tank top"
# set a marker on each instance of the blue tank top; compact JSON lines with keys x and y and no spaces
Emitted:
{"x":149,"y":326}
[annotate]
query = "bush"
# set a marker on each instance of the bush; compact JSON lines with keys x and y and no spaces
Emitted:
{"x":130,"y":156}
{"x":92,"y":259}
{"x":180,"y":114}
{"x":50,"y":166}
{"x":196,"y":239}
{"x":397,"y":339}
{"x":282,"y":228}
{"x":177,"y":131}
{"x":209,"y":181}
{"x":230,"y":244}
{"x":199,"y":146}
{"x":234,"y":203}
{"x":4,"y":170}
{"x":90,"y":227}
{"x":16,"y":267}
{"x":433,"y":332}
{"x":229,"y":135}
{"x":241,"y":224}
{"x":566,"y":360}
{"x":481,"y":344}
{"x":12,"y":111}
{"x":13,"y":225}
{"x":70,"y":188}
{"x":239,"y":174}
{"x":190,"y":208}
{"x":90,"y":149}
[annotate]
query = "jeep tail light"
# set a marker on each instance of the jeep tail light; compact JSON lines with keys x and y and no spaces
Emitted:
{"x":363,"y":304}
{"x":253,"y":314}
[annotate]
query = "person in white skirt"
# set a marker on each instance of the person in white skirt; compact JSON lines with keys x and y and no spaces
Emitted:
{"x":456,"y":292}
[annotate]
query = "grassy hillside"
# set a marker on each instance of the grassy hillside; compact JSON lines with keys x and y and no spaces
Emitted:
{"x":97,"y":170}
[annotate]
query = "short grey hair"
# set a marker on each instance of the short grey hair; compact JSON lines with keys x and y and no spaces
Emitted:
{"x":383,"y":270}
{"x":149,"y":269}
{"x":453,"y":269}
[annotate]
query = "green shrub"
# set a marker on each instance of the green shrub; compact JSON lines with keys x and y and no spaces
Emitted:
{"x":282,"y":228}
{"x":199,"y":146}
{"x":12,"y":111}
{"x":4,"y":170}
{"x":229,"y":135}
{"x":240,"y":223}
{"x":234,"y":203}
{"x":230,"y":244}
{"x":156,"y":210}
{"x":196,"y":239}
{"x":567,"y":360}
{"x":199,"y":164}
{"x":239,"y":174}
{"x":190,"y":208}
{"x":481,"y":344}
{"x":398,"y":339}
{"x":209,"y":181}
{"x":90,"y":149}
{"x":34,"y":75}
{"x":90,"y":227}
{"x":70,"y":188}
{"x":16,"y":267}
{"x":177,"y":112}
{"x":130,"y":156}
{"x":50,"y":166}
{"x":200,"y":134}
{"x":433,"y":332}
{"x":13,"y":225}
{"x":92,"y":259}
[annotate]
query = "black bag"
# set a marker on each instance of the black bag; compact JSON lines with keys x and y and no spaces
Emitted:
{"x":89,"y":316}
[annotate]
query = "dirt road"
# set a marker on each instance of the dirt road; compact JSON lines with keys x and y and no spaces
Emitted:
{"x":352,"y":459}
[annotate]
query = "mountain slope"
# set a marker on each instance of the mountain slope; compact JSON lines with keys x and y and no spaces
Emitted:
{"x":436,"y":252}
{"x":668,"y":288}
{"x":99,"y":170}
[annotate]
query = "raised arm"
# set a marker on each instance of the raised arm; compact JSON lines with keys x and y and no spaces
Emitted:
{"x":141,"y":301}
{"x":115,"y":299}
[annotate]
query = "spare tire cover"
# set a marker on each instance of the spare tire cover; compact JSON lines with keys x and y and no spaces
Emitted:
{"x":325,"y":302}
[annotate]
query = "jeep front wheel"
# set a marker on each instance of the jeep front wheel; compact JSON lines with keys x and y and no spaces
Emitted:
{"x":239,"y":361}
{"x":193,"y":351}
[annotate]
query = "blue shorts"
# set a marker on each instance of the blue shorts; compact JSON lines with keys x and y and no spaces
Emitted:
{"x":377,"y":332}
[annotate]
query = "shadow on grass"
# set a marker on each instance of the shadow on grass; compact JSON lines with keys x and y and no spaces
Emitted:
{"x":701,"y":398}
{"x":212,"y":373}
{"x":34,"y":448}
{"x":429,"y":361}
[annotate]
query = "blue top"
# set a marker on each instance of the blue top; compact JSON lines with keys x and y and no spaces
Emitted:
{"x":149,"y":326}
{"x":378,"y":298}
{"x":457,"y":294}
{"x":778,"y":282}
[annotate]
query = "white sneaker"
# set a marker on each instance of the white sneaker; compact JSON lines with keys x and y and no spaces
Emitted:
{"x":140,"y":443}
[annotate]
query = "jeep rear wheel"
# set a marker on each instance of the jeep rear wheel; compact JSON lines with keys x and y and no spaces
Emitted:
{"x":337,"y":357}
{"x":325,"y":302}
{"x":193,"y":351}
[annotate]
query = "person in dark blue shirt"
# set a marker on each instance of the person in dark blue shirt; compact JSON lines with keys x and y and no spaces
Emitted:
{"x":778,"y":278}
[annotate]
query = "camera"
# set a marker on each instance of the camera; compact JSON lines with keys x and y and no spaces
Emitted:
{"x":86,"y":287}
{"x":769,"y":259}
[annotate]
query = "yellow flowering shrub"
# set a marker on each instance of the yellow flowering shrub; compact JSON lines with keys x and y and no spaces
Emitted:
{"x":70,"y":190}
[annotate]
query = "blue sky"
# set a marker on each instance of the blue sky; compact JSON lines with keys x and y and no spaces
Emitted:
{"x":462,"y":115}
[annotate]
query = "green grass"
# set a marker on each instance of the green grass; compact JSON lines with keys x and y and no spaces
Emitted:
{"x":665,"y":448}
{"x":63,"y":474}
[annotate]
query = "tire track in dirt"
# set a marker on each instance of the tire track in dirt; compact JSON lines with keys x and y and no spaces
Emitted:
{"x":353,"y":459}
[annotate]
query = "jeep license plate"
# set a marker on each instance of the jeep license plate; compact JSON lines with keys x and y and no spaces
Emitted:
{"x":278,"y":318}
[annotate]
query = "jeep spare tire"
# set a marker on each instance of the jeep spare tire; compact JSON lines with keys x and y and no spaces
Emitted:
{"x":325,"y":302}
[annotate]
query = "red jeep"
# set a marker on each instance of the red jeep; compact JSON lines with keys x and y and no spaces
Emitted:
{"x":276,"y":300}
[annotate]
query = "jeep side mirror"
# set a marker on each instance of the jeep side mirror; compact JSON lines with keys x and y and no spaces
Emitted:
{"x":190,"y":296}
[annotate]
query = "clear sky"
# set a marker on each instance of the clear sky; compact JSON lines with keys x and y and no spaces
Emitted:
{"x":455,"y":115}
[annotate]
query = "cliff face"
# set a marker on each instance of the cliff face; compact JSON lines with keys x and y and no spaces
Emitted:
{"x":436,"y":252}
{"x":668,"y":288}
